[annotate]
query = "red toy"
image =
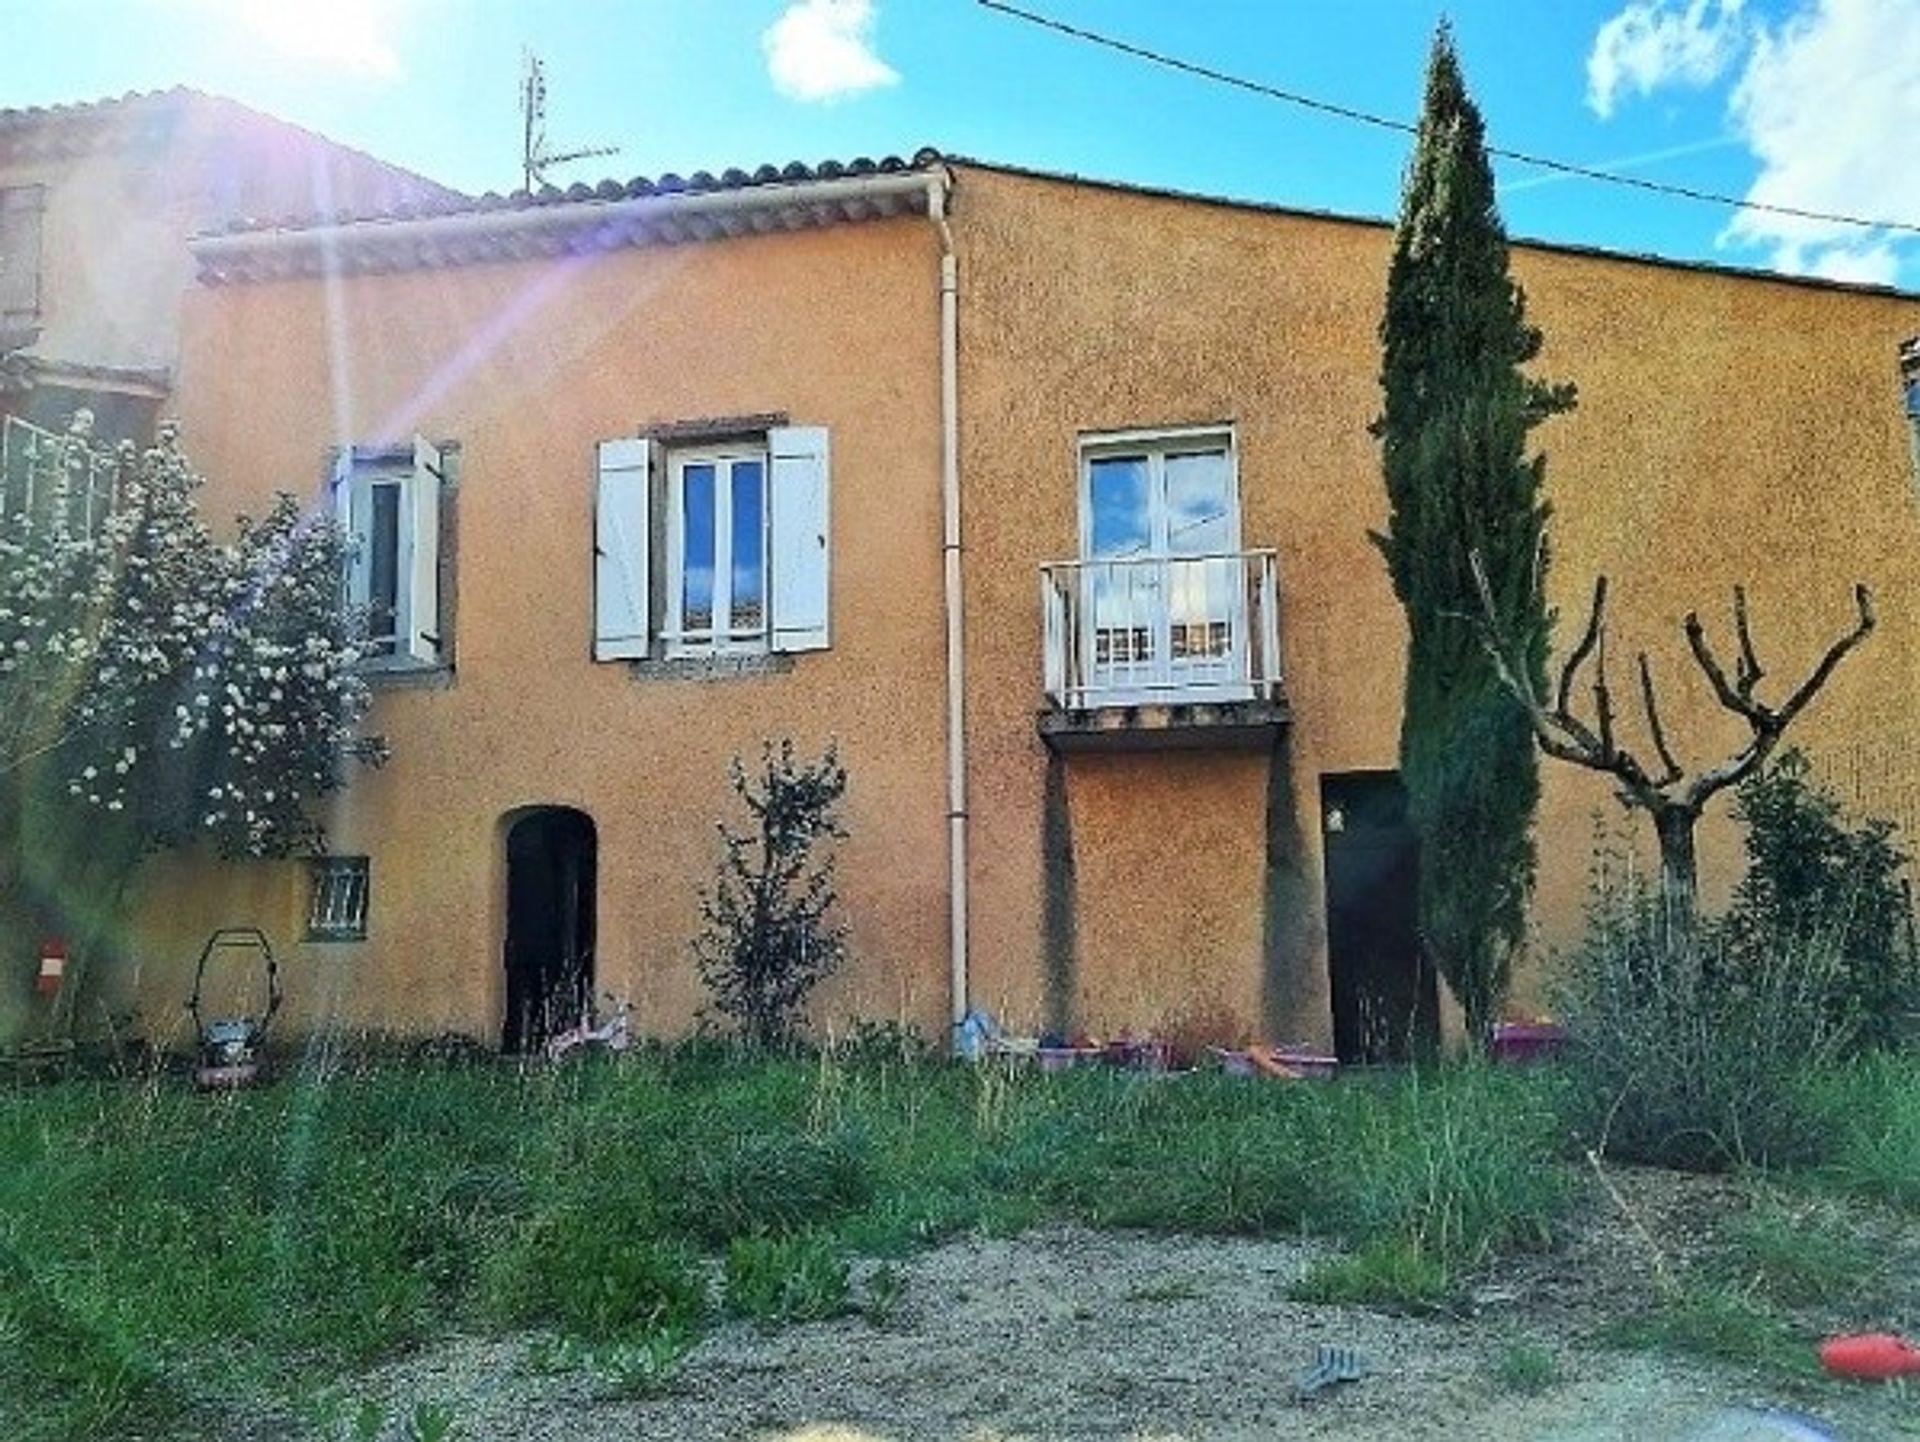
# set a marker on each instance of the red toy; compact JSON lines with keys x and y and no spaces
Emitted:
{"x":1870,"y":1356}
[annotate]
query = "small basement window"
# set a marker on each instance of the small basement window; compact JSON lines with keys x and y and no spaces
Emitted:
{"x":337,"y":910}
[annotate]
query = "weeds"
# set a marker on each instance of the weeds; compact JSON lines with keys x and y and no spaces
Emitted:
{"x":773,"y":1280}
{"x":1392,"y":1274}
{"x":886,"y":1285}
{"x":1690,"y":1055}
{"x":1725,"y":1322}
{"x":1524,"y":1369}
{"x":1870,"y":1111}
{"x":1170,"y":1289}
{"x":162,"y":1252}
{"x":1801,"y":1254}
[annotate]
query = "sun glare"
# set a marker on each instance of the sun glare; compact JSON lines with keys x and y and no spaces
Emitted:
{"x":348,"y":35}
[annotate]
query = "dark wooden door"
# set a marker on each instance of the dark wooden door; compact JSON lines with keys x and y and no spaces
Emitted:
{"x":550,"y":925}
{"x":1384,"y":997}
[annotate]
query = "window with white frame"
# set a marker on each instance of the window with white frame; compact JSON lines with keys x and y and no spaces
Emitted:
{"x":337,"y":898}
{"x":712,"y":547}
{"x":1159,"y":541}
{"x":388,"y":503}
{"x":716,"y":550}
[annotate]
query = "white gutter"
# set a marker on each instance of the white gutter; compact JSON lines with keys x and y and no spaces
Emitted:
{"x":956,"y":629}
{"x":638,"y":213}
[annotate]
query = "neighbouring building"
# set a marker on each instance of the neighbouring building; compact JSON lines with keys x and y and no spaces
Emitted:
{"x":1048,"y":500}
{"x":97,"y":204}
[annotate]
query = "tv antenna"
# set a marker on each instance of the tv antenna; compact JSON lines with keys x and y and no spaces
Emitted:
{"x":535,"y":158}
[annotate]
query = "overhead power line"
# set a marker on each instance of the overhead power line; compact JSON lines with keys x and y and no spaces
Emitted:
{"x":1407,"y":127}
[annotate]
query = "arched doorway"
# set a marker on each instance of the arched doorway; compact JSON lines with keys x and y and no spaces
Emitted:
{"x":550,"y":924}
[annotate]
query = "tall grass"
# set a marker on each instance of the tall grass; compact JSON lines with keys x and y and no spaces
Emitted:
{"x":165,"y":1256}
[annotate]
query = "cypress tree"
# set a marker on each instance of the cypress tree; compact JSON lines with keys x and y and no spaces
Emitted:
{"x":1453,"y":435}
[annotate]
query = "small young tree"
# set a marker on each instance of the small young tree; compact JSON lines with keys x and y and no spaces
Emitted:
{"x":768,"y":937}
{"x":1453,"y":435}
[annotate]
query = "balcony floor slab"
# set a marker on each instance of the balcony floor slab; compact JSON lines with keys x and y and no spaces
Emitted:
{"x":1165,"y":726}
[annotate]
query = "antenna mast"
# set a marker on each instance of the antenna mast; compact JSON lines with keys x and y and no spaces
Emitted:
{"x":535,"y":158}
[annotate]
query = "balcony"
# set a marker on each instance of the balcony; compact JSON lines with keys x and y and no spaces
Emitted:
{"x":1147,"y":652}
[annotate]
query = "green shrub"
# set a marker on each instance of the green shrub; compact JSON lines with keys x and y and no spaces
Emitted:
{"x":1814,"y":882}
{"x":786,"y":1279}
{"x":1691,"y":1054}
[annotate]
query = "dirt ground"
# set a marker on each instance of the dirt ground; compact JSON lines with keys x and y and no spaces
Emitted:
{"x":1071,"y":1336}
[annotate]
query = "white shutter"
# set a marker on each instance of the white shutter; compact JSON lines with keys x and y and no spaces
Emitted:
{"x":421,"y":570}
{"x":798,"y":507}
{"x":620,"y":540}
{"x":346,"y":512}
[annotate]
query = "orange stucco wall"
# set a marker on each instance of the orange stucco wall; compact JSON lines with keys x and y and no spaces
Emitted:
{"x":525,"y":366}
{"x":1730,"y":429}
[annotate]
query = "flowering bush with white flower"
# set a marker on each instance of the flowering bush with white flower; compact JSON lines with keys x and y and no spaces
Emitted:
{"x":158,"y":686}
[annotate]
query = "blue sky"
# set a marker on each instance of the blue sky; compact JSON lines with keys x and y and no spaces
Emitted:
{"x":1811,"y":103}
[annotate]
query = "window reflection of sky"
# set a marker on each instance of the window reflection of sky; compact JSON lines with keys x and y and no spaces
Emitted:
{"x":1197,"y":503}
{"x":1173,"y":505}
{"x":1117,"y":489}
{"x":749,"y":567}
{"x":697,"y":505}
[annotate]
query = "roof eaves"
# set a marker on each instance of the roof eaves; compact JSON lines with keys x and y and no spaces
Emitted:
{"x":580,"y":220}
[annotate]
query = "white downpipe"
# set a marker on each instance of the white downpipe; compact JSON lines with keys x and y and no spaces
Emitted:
{"x":956,"y":629}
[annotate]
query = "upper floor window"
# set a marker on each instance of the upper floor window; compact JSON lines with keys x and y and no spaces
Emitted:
{"x":1159,"y":537}
{"x":717,"y":546}
{"x":21,"y":209}
{"x":712,"y":548}
{"x":388,"y":502}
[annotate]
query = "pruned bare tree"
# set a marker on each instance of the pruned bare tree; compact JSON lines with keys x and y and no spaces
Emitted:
{"x":1665,"y":790}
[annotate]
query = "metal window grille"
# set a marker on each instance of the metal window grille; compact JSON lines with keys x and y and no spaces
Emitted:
{"x":338,"y":910}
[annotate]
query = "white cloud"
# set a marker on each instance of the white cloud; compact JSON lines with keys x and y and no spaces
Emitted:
{"x":1650,"y":44}
{"x":1830,"y":105}
{"x":823,"y":50}
{"x":1828,"y":101}
{"x":1875,"y":263}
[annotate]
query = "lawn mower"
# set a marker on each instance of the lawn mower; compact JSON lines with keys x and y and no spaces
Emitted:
{"x":229,"y":1054}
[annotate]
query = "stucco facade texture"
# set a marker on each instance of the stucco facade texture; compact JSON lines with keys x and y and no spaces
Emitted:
{"x":1730,"y":429}
{"x":525,"y":367}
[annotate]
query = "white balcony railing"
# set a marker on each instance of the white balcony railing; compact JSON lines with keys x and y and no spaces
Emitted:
{"x":1161,"y":629}
{"x":27,"y":454}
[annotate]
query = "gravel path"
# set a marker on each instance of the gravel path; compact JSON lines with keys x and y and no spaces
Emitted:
{"x":1075,"y":1336}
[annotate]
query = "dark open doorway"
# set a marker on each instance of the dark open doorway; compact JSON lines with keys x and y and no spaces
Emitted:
{"x":550,"y":920}
{"x":1385,"y":1006}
